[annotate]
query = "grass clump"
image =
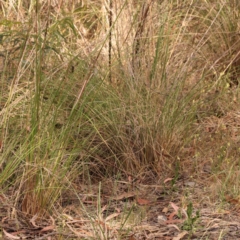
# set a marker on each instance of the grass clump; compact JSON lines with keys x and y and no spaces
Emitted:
{"x":92,"y":92}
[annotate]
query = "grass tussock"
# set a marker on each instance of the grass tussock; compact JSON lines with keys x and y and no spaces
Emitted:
{"x":92,"y":90}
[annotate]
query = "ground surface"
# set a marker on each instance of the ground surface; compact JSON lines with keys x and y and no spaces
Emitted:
{"x":149,"y":211}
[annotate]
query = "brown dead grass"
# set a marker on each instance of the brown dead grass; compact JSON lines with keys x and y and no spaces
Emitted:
{"x":204,"y":51}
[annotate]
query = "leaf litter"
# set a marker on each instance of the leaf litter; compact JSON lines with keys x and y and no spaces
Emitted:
{"x":148,"y":211}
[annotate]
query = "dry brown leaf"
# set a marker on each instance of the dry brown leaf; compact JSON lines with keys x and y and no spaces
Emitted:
{"x":142,"y":201}
{"x":90,"y":202}
{"x":174,"y":206}
{"x":124,"y":196}
{"x":132,"y":238}
{"x":180,"y":235}
{"x":232,"y":200}
{"x":111,"y":216}
{"x":167,"y":180}
{"x":33,"y":219}
{"x":47,"y":228}
{"x":174,"y":226}
{"x":165,"y":210}
{"x":11,"y":236}
{"x":117,"y":209}
{"x":171,"y":216}
{"x":173,"y":221}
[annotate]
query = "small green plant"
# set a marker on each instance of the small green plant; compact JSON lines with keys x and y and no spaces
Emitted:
{"x":176,"y":174}
{"x":191,"y":220}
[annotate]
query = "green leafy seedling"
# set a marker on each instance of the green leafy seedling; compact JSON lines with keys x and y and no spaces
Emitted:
{"x":190,"y":223}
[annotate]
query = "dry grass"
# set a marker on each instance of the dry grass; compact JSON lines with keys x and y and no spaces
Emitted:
{"x":128,"y":92}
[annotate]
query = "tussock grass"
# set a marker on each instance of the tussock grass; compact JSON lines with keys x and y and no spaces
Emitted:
{"x":91,"y":91}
